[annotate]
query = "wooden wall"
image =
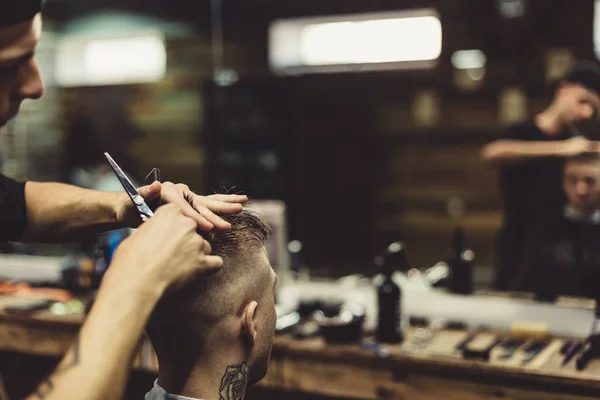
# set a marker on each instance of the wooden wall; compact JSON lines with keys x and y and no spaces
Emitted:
{"x":360,"y":170}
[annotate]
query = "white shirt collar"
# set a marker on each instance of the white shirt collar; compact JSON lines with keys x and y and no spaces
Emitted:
{"x":573,"y":215}
{"x":158,"y":393}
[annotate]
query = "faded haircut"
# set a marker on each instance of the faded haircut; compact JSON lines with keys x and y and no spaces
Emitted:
{"x":209,"y":298}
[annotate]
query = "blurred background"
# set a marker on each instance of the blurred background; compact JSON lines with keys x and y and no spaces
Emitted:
{"x":361,"y":130}
{"x":228,"y":94}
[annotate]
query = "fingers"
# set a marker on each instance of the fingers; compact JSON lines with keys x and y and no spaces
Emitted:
{"x":203,"y":209}
{"x":190,"y":226}
{"x":229,"y":198}
{"x":150,"y":192}
{"x":214,"y":219}
{"x":210,"y":264}
{"x":181,"y":195}
{"x":208,"y":206}
{"x":221,"y":207}
{"x":201,"y":222}
{"x":170,"y":210}
{"x":206,"y":247}
{"x":202,"y":244}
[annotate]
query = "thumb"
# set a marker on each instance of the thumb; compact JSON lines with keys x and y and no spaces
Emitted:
{"x":150,"y":192}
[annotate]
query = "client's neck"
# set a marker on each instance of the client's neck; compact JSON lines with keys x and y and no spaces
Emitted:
{"x":222,"y":375}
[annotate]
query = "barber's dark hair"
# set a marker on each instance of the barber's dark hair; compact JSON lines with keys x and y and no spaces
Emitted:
{"x":585,"y":73}
{"x":13,"y":12}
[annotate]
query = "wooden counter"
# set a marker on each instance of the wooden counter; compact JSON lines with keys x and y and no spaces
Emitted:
{"x":311,"y":366}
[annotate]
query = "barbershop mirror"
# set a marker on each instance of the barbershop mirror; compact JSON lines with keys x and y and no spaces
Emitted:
{"x":378,"y":157}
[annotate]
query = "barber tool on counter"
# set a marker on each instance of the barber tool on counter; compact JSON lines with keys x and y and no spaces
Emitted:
{"x":343,"y":327}
{"x":336,"y":322}
{"x":591,"y":346}
{"x":389,"y":295}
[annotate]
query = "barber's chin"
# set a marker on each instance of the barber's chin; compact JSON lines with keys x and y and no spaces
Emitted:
{"x":4,"y":119}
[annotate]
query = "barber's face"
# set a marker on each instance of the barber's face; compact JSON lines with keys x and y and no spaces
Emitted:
{"x":582,"y":185}
{"x":266,"y":317}
{"x":577,"y":103}
{"x":20,"y":77}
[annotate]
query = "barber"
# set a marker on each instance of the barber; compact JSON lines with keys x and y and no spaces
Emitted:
{"x":161,"y":256}
{"x":530,"y":158}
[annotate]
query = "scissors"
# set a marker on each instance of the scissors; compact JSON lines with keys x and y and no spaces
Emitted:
{"x":138,"y":201}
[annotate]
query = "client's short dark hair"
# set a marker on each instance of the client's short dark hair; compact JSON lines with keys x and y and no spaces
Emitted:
{"x":585,"y":157}
{"x":204,"y":302}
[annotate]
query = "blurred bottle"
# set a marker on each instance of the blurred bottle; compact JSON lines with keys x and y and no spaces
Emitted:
{"x":295,"y":250}
{"x":389,"y":295}
{"x":298,"y":266}
{"x":83,"y":271}
{"x":460,"y":261}
{"x":79,"y":274}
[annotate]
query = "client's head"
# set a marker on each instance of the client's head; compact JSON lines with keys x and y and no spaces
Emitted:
{"x":224,"y":319}
{"x":581,"y":182}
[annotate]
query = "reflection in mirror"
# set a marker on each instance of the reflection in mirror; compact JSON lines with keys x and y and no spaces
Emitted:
{"x":469,"y":69}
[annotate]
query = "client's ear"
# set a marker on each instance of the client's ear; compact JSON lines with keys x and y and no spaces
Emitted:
{"x":248,"y":326}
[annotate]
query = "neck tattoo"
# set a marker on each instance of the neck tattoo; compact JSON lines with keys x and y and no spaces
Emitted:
{"x":234,"y":382}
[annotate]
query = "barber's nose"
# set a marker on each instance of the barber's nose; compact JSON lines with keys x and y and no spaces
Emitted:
{"x":587,"y":112}
{"x":581,"y":188}
{"x":31,"y":84}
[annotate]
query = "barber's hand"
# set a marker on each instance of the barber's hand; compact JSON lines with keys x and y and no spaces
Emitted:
{"x":166,"y":252}
{"x":201,"y":209}
{"x":578,"y":145}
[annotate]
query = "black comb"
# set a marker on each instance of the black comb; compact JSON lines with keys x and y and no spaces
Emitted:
{"x":153,"y":176}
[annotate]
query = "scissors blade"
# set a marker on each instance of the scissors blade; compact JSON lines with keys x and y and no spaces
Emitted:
{"x":143,"y":209}
{"x":127,"y":185}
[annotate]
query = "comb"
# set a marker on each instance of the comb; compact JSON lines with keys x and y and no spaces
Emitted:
{"x":153,"y":176}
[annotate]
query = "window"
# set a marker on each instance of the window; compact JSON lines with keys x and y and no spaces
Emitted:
{"x":390,"y":40}
{"x":90,"y":61}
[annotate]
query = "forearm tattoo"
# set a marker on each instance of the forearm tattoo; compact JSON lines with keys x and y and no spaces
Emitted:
{"x":234,"y":382}
{"x":47,"y":386}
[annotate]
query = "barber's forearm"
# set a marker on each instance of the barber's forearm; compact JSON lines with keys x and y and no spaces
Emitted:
{"x":98,"y":365}
{"x":502,"y":151}
{"x":58,"y":212}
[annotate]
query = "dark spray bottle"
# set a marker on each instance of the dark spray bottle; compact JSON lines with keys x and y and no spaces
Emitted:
{"x":389,"y":296}
{"x":460,"y":260}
